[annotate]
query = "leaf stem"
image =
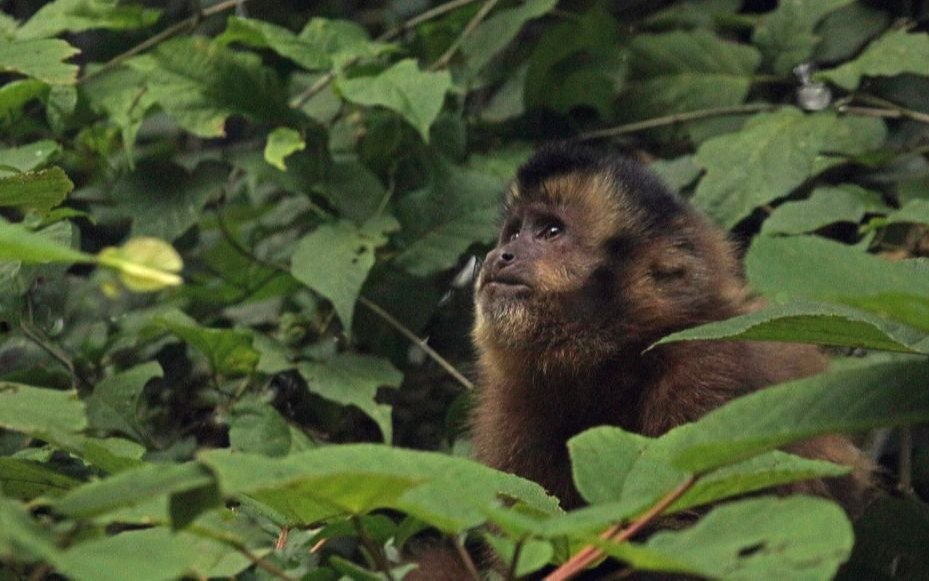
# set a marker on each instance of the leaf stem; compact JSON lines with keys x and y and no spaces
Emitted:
{"x":514,"y":562}
{"x":617,"y":534}
{"x":244,"y":550}
{"x":403,"y":330}
{"x":466,"y":558}
{"x":674,"y":119}
{"x":895,"y":113}
{"x":475,"y":21}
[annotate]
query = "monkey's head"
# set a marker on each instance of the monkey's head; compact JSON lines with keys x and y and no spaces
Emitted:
{"x":596,"y":256}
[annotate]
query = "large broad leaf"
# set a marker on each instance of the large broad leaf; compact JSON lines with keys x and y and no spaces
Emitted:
{"x":844,"y":203}
{"x":494,"y":34}
{"x":336,"y":481}
{"x":80,"y":15}
{"x":21,"y":538}
{"x":687,"y":70}
{"x":322,"y":44}
{"x":842,"y":401}
{"x":334,"y":260}
{"x":36,"y":411}
{"x":415,"y":95}
{"x":351,"y":379}
{"x":201,"y":83}
{"x":151,"y":555}
{"x":114,"y":404}
{"x":132,"y":487}
{"x":894,"y":53}
{"x":806,"y":322}
{"x":123,"y":97}
{"x":42,"y":59}
{"x":773,"y":154}
{"x":36,"y":190}
{"x":27,"y":157}
{"x":255,"y":426}
{"x":229,"y":351}
{"x":760,"y":538}
{"x":442,"y":220}
{"x":786,"y":34}
{"x":820,"y":269}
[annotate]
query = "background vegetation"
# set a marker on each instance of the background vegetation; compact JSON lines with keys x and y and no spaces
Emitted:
{"x":226,"y":225}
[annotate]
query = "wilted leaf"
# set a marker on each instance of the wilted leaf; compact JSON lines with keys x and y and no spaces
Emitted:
{"x":41,"y":59}
{"x":334,"y":260}
{"x":351,"y":379}
{"x":144,"y":264}
{"x":894,"y":53}
{"x":282,"y":142}
{"x":37,"y":190}
{"x":416,"y":95}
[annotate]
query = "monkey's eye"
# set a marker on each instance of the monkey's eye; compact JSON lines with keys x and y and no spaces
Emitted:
{"x":551,"y":231}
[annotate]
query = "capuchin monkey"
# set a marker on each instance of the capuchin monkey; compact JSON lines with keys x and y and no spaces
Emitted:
{"x":596,"y":261}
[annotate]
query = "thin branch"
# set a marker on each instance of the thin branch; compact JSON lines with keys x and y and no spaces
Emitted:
{"x":466,"y":559}
{"x":472,"y":25}
{"x":905,"y":464}
{"x":618,"y":535}
{"x":403,"y":330}
{"x":27,"y":326}
{"x":165,"y":34}
{"x":244,"y":550}
{"x":674,"y":119}
{"x":514,"y":562}
{"x":323,"y":81}
{"x":904,"y":111}
{"x":373,"y":549}
{"x":884,"y":113}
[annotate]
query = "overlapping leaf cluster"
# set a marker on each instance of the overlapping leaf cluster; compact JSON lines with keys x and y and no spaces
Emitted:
{"x":218,"y":248}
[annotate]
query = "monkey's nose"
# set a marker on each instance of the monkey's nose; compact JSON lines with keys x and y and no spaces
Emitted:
{"x":507,"y":256}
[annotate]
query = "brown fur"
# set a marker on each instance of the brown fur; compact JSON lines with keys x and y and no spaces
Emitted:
{"x":563,"y":357}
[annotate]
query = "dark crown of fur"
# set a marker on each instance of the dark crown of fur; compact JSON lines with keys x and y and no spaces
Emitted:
{"x":635,"y":181}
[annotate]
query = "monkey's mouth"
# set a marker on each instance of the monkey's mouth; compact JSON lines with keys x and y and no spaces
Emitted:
{"x":506,"y":286}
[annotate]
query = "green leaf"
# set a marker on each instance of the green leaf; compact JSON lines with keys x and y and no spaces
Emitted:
{"x":40,"y":190}
{"x":806,"y":322}
{"x":786,"y":34}
{"x":773,"y":154}
{"x":415,"y":95}
{"x":132,"y":487}
{"x":845,"y":31}
{"x":28,"y":157}
{"x":256,"y":427}
{"x":37,"y":412}
{"x":351,"y":379}
{"x":15,"y":95}
{"x":844,"y":203}
{"x":495,"y":33}
{"x":533,"y":554}
{"x":865,"y":397}
{"x":27,"y":479}
{"x":114,"y":404}
{"x":914,"y":211}
{"x":442,"y":220}
{"x":322,"y":44}
{"x":228,"y":351}
{"x":282,"y":142}
{"x":760,"y":538}
{"x":20,"y":244}
{"x":353,"y":479}
{"x":41,"y":59}
{"x":678,"y":173}
{"x":819,"y":269}
{"x":153,"y":554}
{"x":21,"y":537}
{"x":334,"y":261}
{"x":687,"y":70}
{"x":894,"y":53}
{"x":201,"y":83}
{"x":80,"y":15}
{"x":122,"y":96}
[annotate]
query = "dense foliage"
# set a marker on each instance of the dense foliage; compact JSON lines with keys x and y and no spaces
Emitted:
{"x":222,"y":234}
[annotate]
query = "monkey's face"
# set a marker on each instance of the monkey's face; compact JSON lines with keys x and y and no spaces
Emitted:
{"x":583,"y":267}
